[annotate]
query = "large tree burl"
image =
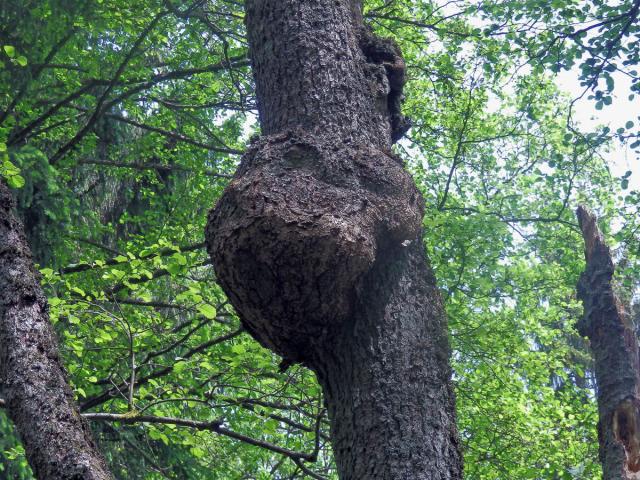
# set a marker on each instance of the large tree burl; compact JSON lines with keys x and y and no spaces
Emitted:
{"x":300,"y":224}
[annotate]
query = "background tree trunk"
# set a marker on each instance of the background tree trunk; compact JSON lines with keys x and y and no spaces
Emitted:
{"x":317,"y":240}
{"x":58,"y":443}
{"x":615,"y":351}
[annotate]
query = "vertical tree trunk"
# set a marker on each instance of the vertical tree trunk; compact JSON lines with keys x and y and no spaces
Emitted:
{"x":317,"y":240}
{"x":39,"y":401}
{"x":615,"y":351}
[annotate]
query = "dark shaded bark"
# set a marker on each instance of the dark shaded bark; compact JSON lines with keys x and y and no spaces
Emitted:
{"x":317,"y":240}
{"x":58,"y":443}
{"x":615,"y":350}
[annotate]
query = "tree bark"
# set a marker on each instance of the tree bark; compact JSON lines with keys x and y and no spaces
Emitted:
{"x":615,"y":351}
{"x":317,"y":240}
{"x":39,"y":401}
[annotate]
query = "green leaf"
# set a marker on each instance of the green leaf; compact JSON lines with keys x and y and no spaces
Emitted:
{"x":610,"y":82}
{"x":15,"y":181}
{"x":173,"y":268}
{"x":180,"y":366}
{"x":197,"y":452}
{"x":208,"y":311}
{"x":78,"y":290}
{"x":9,"y":50}
{"x":181,"y":259}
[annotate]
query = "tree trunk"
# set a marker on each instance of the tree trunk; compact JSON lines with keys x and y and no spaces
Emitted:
{"x":615,"y":351}
{"x":317,"y":240}
{"x":58,"y":443}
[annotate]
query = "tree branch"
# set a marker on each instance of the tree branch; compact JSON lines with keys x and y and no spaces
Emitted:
{"x":38,"y":70}
{"x":99,"y":106}
{"x":22,"y":134}
{"x":160,"y":272}
{"x":81,"y":267}
{"x":212,"y":426}
{"x":170,"y":134}
{"x":239,"y":61}
{"x":456,"y":156}
{"x":153,"y":166}
{"x":111,"y":392}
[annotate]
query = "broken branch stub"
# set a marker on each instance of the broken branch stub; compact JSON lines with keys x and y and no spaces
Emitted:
{"x":615,"y":351}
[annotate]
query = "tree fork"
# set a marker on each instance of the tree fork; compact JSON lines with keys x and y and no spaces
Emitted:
{"x":615,"y":351}
{"x":317,"y":240}
{"x":39,"y":401}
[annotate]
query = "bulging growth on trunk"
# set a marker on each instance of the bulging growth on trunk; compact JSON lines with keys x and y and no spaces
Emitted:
{"x":317,"y":240}
{"x":58,"y":443}
{"x":615,"y":350}
{"x":298,"y":229}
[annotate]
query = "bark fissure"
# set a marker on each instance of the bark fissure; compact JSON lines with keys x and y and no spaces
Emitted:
{"x":615,"y":351}
{"x":317,"y":240}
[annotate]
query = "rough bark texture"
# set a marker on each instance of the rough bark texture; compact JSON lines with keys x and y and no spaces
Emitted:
{"x":317,"y":240}
{"x":57,"y":441}
{"x":615,"y":350}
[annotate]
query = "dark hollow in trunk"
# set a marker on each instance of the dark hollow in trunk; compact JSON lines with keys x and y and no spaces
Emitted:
{"x":615,"y":351}
{"x":58,"y":443}
{"x":317,"y":240}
